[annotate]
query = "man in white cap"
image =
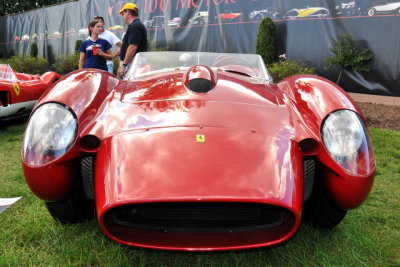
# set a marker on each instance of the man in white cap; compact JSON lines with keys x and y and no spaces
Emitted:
{"x":135,"y":38}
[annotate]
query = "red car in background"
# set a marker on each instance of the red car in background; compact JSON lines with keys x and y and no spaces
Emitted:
{"x":19,"y":92}
{"x":229,"y":16}
{"x":198,"y":151}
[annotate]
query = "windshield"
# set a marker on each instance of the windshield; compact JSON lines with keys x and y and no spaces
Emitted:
{"x":6,"y":73}
{"x":249,"y":65}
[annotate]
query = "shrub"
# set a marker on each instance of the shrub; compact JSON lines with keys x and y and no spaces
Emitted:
{"x":66,"y":64}
{"x":34,"y":50}
{"x":265,"y":46}
{"x":346,"y":55}
{"x":32,"y":65}
{"x":284,"y":68}
{"x":116,"y":65}
{"x":77,"y":45}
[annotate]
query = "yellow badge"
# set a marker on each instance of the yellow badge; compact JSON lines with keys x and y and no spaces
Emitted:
{"x":200,"y":138}
{"x":16,"y":88}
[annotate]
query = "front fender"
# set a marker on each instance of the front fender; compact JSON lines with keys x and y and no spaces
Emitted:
{"x":50,"y":77}
{"x":84,"y":92}
{"x":314,"y":98}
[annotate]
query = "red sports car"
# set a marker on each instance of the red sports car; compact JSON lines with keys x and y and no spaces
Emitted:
{"x":19,"y":92}
{"x":198,"y":151}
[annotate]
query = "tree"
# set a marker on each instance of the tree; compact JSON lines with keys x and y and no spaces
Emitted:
{"x":77,"y":45}
{"x":11,"y":6}
{"x":265,"y":46}
{"x":34,"y":50}
{"x":347,"y":56}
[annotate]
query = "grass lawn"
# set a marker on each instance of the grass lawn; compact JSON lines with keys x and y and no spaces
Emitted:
{"x":368,"y":236}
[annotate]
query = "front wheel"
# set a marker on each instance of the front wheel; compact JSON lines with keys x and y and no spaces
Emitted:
{"x":74,"y":209}
{"x":371,"y":12}
{"x":319,"y":211}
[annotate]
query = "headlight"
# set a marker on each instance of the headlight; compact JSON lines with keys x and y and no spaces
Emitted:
{"x":347,"y":141}
{"x":51,"y":131}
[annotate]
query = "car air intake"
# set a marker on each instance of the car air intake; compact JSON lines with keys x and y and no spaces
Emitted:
{"x":200,"y":85}
{"x":200,"y":79}
{"x":198,"y":223}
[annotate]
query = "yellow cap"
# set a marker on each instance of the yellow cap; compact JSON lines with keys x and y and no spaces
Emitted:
{"x":127,"y":6}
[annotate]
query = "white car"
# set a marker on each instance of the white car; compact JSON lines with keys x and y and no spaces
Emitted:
{"x":25,"y":37}
{"x":347,"y":9}
{"x":83,"y":32}
{"x":384,"y":7}
{"x":199,"y":18}
{"x":258,"y":15}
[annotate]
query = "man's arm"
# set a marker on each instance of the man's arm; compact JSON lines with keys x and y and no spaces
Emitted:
{"x":130,"y":53}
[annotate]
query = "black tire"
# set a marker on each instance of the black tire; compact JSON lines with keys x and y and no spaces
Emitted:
{"x":80,"y":205}
{"x":319,"y":211}
{"x":74,"y":209}
{"x":258,"y":17}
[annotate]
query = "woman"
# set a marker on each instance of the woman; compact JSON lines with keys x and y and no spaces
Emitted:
{"x":95,"y":51}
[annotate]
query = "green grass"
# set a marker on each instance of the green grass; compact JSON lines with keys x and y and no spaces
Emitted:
{"x":368,"y":236}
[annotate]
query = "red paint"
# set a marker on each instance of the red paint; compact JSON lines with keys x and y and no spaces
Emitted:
{"x":149,"y":153}
{"x":26,"y":88}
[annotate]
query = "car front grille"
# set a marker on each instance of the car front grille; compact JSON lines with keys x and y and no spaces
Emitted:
{"x":199,"y":217}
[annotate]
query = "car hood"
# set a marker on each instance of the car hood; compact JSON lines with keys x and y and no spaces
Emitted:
{"x":166,"y":102}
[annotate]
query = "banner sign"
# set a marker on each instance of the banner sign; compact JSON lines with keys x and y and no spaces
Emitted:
{"x":303,"y":31}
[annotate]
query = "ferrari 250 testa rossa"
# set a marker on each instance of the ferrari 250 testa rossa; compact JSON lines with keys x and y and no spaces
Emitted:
{"x":19,"y":92}
{"x":198,"y":151}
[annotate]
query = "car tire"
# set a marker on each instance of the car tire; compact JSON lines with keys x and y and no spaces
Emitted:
{"x":258,"y":17}
{"x":319,"y":211}
{"x":74,"y":209}
{"x":371,"y":12}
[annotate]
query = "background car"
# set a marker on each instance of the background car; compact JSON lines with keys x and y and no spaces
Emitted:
{"x":347,"y":9}
{"x":158,"y":22}
{"x":175,"y":22}
{"x":148,"y":23}
{"x":19,"y":92}
{"x":83,"y":32}
{"x":198,"y":151}
{"x":258,"y":15}
{"x":230,"y":16}
{"x":311,"y":12}
{"x":199,"y":18}
{"x":384,"y":7}
{"x":116,"y":28}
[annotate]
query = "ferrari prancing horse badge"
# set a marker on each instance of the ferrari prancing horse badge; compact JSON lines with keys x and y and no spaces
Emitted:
{"x":200,"y":138}
{"x":16,"y":88}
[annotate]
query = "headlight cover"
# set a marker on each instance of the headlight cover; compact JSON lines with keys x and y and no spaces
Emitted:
{"x":51,"y":131}
{"x":346,"y":139}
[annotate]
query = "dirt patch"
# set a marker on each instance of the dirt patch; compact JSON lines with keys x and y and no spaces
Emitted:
{"x":381,"y":116}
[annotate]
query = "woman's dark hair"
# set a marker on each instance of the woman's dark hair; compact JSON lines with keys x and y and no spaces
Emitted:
{"x":92,"y":24}
{"x":99,"y":18}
